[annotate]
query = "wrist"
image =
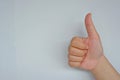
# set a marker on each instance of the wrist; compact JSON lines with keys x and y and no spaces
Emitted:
{"x":99,"y":64}
{"x":104,"y":70}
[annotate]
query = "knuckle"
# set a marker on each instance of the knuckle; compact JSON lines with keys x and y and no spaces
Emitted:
{"x":97,"y":37}
{"x":69,"y":56}
{"x":70,"y":50}
{"x":74,"y":39}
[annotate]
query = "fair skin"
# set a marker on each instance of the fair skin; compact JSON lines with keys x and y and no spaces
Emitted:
{"x":87,"y":53}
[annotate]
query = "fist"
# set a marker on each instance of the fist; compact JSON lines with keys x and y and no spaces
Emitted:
{"x":85,"y":52}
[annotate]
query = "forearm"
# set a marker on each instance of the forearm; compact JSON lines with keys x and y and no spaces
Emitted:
{"x":105,"y":71}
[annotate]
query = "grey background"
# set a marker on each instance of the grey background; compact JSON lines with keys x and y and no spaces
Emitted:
{"x":35,"y":34}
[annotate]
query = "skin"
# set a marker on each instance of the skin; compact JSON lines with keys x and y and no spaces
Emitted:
{"x":87,"y":53}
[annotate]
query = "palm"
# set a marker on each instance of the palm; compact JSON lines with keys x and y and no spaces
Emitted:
{"x":93,"y":54}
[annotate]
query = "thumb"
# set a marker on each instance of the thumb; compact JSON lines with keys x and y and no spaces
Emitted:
{"x":90,"y":26}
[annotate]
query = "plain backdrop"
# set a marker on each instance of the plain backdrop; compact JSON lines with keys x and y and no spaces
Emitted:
{"x":35,"y":35}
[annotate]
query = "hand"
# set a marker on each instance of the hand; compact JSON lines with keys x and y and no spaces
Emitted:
{"x":86,"y":52}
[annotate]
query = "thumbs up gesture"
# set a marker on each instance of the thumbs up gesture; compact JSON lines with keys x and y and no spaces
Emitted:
{"x":86,"y":52}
